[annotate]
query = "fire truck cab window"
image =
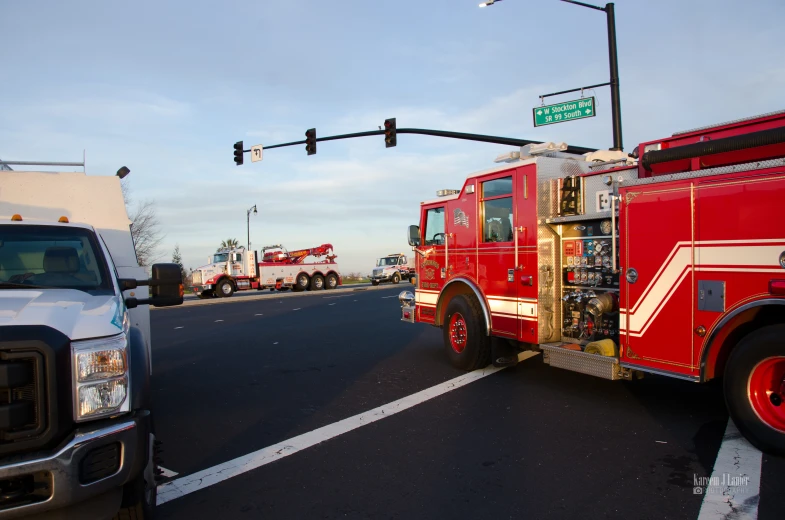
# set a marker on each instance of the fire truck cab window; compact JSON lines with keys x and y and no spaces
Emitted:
{"x":497,"y":210}
{"x":434,"y":227}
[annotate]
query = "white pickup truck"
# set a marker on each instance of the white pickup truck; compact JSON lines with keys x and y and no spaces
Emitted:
{"x":76,"y":432}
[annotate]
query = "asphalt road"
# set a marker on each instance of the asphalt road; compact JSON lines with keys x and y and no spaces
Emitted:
{"x":525,"y":442}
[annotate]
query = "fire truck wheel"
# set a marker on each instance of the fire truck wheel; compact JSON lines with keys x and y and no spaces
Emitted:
{"x":396,"y":278}
{"x":205,"y":295}
{"x":331,"y":282}
{"x":224,"y":289}
{"x":465,"y":341}
{"x":301,"y":283}
{"x":317,"y":282}
{"x":755,"y":388}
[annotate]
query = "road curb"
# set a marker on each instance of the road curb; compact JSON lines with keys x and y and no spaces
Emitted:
{"x":218,"y":301}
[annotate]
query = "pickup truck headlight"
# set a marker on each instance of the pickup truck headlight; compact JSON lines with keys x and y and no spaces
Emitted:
{"x":100,"y":377}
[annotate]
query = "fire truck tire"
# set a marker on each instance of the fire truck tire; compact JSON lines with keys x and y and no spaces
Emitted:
{"x":204,"y":295}
{"x":317,"y":282}
{"x":465,"y":341}
{"x":396,"y":278}
{"x":754,"y":386}
{"x":331,"y":282}
{"x":301,"y":283}
{"x":224,"y":289}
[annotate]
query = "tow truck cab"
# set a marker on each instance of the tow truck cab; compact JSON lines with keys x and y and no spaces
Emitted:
{"x":76,"y":432}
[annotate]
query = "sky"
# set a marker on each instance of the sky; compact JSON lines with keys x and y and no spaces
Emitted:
{"x":166,"y":88}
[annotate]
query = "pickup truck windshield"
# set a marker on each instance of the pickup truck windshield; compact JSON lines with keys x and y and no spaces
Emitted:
{"x":389,"y":260}
{"x":52,"y":257}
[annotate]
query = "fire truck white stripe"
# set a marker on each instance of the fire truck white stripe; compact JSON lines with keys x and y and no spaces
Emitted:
{"x":737,"y":458}
{"x":714,"y":256}
{"x":502,"y":306}
{"x":427,"y":298}
{"x":196,"y":481}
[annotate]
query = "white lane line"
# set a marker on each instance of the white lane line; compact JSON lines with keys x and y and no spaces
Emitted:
{"x":275,"y":343}
{"x":733,"y":490}
{"x":258,"y":314}
{"x":393,"y":296}
{"x":168,"y":473}
{"x":218,"y":321}
{"x":330,"y":304}
{"x":297,"y":309}
{"x":178,"y":328}
{"x":210,"y":476}
{"x":330,"y":297}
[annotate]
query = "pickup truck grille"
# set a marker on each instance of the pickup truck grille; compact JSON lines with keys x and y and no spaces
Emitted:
{"x":196,"y":277}
{"x":22,"y":397}
{"x":378,"y":272}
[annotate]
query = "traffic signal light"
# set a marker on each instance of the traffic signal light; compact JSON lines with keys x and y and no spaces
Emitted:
{"x":238,"y":153}
{"x":390,"y":137}
{"x":310,"y":141}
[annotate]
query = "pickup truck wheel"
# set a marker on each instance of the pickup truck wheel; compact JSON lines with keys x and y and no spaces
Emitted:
{"x":224,"y":289}
{"x":396,"y":278}
{"x":754,"y":387}
{"x":331,"y":282}
{"x":317,"y":282}
{"x":374,"y":282}
{"x":301,"y":283}
{"x":465,"y":341}
{"x":141,"y":494}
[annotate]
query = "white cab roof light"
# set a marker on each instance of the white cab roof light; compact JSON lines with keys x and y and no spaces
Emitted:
{"x":446,"y":193}
{"x":537,"y":149}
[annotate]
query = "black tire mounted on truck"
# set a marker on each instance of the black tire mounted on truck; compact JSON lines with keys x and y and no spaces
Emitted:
{"x":205,"y":295}
{"x":465,"y":341}
{"x":140,"y":495}
{"x":374,"y":282}
{"x":301,"y":282}
{"x":317,"y":282}
{"x":754,"y":388}
{"x":224,"y":288}
{"x":331,"y":282}
{"x":396,"y":278}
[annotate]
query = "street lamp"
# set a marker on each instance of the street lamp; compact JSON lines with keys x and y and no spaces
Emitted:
{"x":248,"y":223}
{"x":489,"y":2}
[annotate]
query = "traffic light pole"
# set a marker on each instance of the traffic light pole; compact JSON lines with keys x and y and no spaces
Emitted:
{"x":437,"y":133}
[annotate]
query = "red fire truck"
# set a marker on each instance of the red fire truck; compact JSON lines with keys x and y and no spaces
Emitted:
{"x":668,"y":261}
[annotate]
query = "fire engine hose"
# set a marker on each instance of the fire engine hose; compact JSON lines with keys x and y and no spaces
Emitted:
{"x":727,"y":144}
{"x":604,"y":347}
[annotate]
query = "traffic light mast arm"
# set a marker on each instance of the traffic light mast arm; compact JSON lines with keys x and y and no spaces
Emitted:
{"x":510,"y":141}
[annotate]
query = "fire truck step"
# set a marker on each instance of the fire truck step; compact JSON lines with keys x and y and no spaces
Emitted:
{"x":556,"y":355}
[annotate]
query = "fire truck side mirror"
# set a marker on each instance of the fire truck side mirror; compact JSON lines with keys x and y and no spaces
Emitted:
{"x":414,"y":235}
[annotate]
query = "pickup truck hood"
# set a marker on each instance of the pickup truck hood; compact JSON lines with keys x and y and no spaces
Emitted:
{"x":76,"y":314}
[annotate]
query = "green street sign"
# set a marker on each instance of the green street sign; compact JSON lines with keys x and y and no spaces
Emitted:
{"x":563,"y":112}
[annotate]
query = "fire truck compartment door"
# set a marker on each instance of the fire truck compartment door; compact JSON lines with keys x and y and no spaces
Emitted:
{"x":657,"y":239}
{"x":526,"y":253}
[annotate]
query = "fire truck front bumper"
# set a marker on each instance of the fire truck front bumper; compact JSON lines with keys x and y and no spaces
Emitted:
{"x":408,"y":306}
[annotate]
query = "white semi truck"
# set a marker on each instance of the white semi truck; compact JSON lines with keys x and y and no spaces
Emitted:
{"x":76,"y":431}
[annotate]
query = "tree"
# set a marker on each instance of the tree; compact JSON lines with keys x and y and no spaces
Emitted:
{"x":145,"y":227}
{"x":228,"y":243}
{"x":178,"y":259}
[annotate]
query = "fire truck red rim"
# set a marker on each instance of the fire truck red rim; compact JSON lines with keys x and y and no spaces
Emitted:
{"x":457,"y":332}
{"x":767,"y":378}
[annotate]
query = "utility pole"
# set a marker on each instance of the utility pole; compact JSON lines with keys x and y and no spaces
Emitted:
{"x":248,"y":224}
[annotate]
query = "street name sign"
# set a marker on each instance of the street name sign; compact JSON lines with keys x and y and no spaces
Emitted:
{"x":256,"y":153}
{"x":563,"y":112}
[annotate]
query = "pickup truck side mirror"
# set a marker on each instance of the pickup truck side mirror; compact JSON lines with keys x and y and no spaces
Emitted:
{"x":414,"y":235}
{"x":167,"y":284}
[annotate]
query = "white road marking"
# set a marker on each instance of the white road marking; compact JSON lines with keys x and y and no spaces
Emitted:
{"x":168,"y":473}
{"x":330,"y":304}
{"x":178,"y":328}
{"x":329,"y":297}
{"x":275,"y":343}
{"x":210,"y":476}
{"x":733,"y":490}
{"x":393,"y":296}
{"x":661,"y":442}
{"x":218,"y":321}
{"x":297,"y":309}
{"x":258,"y":314}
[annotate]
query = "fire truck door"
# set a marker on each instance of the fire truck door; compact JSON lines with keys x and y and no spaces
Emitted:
{"x":525,"y":244}
{"x":657,"y":236}
{"x":431,"y":262}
